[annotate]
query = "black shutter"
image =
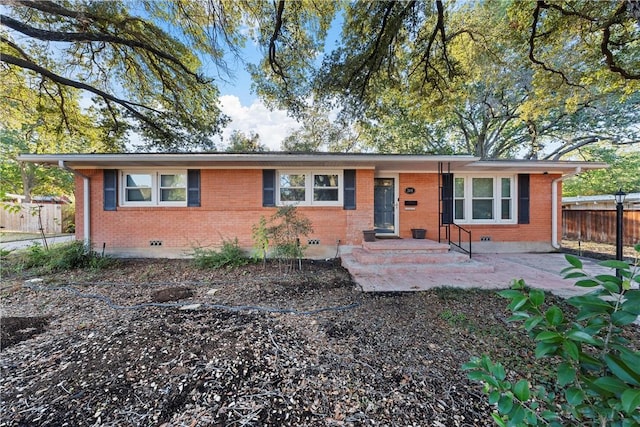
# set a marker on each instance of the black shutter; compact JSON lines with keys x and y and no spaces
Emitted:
{"x":447,"y":198}
{"x":110,"y":187}
{"x":268,"y":187}
{"x":193,"y":187}
{"x":349,"y":197}
{"x":523,"y":198}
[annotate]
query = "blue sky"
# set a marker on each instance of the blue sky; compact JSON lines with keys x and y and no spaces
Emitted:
{"x":247,"y":112}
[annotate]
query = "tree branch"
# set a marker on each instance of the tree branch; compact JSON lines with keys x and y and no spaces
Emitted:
{"x":129,"y":106}
{"x":532,"y":40}
{"x":59,"y":36}
{"x":608,"y":55}
{"x":273,"y":62}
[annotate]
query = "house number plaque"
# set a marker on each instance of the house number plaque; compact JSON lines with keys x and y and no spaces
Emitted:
{"x":409,"y":190}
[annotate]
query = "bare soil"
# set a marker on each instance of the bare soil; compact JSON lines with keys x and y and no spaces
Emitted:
{"x":161,"y":343}
{"x":601,"y":251}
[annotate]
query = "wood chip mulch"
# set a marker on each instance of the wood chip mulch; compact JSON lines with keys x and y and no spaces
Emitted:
{"x":161,"y":343}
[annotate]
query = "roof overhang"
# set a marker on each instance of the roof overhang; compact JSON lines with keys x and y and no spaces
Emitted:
{"x":378,"y":162}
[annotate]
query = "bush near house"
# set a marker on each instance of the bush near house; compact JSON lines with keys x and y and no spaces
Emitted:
{"x":598,"y":372}
{"x":60,"y":257}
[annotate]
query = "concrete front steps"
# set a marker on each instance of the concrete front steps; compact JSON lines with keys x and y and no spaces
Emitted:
{"x":408,"y":265}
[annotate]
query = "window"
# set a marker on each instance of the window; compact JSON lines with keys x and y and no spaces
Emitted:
{"x":484,"y":199}
{"x":505,"y":201}
{"x":151,"y":188}
{"x":293,"y":187}
{"x":310,"y":188}
{"x":458,"y":197}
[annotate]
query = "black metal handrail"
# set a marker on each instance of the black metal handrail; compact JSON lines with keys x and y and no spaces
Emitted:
{"x":459,"y":243}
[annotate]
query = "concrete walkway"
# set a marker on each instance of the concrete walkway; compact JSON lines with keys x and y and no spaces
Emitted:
{"x":22,"y":244}
{"x":539,"y":270}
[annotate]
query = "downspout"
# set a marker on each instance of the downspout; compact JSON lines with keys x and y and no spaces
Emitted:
{"x":554,"y":206}
{"x":86,"y":207}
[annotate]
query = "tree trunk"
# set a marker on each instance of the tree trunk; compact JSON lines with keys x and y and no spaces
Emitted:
{"x":28,"y":180}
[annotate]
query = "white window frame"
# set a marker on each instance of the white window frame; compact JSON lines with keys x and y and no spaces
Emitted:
{"x":309,"y":187}
{"x":497,"y":199}
{"x":155,"y":187}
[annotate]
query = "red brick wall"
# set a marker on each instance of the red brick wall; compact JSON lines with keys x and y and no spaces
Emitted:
{"x":231,"y":203}
{"x":426,"y":213}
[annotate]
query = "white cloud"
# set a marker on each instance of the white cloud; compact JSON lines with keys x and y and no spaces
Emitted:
{"x":272,"y":126}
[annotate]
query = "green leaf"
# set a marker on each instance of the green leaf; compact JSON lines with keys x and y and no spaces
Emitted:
{"x":510,"y":293}
{"x":631,"y":358}
{"x":498,"y":420}
{"x":498,"y":371}
{"x":517,"y":302}
{"x":621,"y":265}
{"x":518,"y":316}
{"x":517,"y":416}
{"x":574,"y":396}
{"x":573,"y":260}
{"x":630,"y":400}
{"x":544,"y":349}
{"x":494,"y":396}
{"x":612,"y":287}
{"x":574,"y":275}
{"x":572,"y":349}
{"x":476,"y":375}
{"x":591,"y":303}
{"x":536,"y":296}
{"x":587,"y":283}
{"x":549,"y":337}
{"x":505,"y":404}
{"x":620,"y":369}
{"x":554,"y":316}
{"x":632,"y":305}
{"x":532,"y":322}
{"x":621,"y":318}
{"x":521,"y":390}
{"x":611,"y":384}
{"x":566,"y":374}
{"x":582,"y":336}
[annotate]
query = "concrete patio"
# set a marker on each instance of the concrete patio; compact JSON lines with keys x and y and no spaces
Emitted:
{"x":414,"y":265}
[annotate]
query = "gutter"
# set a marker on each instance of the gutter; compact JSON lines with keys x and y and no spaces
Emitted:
{"x":554,"y":206}
{"x":86,"y":203}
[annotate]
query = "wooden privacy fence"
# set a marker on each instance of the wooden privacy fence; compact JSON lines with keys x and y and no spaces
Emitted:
{"x":24,"y":217}
{"x":600,"y":226}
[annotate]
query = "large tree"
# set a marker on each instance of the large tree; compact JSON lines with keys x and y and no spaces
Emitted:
{"x":142,"y":60}
{"x":493,"y":78}
{"x":32,"y":123}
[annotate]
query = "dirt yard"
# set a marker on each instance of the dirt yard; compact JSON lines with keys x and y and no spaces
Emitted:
{"x":161,"y":343}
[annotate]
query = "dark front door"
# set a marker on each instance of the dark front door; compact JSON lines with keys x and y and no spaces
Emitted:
{"x":384,"y":206}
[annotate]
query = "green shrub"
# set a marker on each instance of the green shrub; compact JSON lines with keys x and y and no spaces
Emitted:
{"x":260,"y":236}
{"x":597,"y":379}
{"x":229,"y":255}
{"x":63,"y":256}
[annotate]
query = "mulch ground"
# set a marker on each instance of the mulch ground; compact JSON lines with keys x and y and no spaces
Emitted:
{"x":161,"y":343}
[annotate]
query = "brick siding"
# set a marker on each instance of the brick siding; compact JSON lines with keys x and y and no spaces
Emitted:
{"x":231,"y":203}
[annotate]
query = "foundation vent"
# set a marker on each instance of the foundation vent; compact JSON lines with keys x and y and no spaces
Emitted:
{"x":313,"y":242}
{"x":485,"y":238}
{"x":155,"y":243}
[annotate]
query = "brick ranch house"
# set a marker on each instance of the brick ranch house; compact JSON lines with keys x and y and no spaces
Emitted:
{"x":163,"y":205}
